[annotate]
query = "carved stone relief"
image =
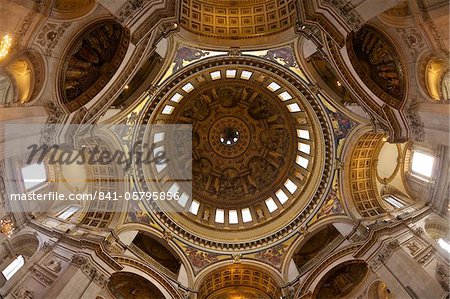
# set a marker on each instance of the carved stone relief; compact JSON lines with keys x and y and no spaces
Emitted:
{"x":424,"y":259}
{"x":413,"y":39}
{"x":50,"y":35}
{"x":443,"y":276}
{"x":89,"y":269}
{"x":23,"y":293}
{"x":413,"y":246}
{"x":41,"y":277}
{"x":54,"y":265}
{"x":347,"y":12}
{"x":415,"y":124}
{"x":384,"y":254}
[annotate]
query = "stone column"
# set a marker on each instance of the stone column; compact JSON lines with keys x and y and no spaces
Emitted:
{"x":81,"y":280}
{"x":403,"y":275}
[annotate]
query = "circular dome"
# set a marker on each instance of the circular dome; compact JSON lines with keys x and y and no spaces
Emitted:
{"x":257,"y":155}
{"x":244,"y":141}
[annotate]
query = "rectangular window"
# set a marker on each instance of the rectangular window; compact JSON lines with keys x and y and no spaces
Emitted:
{"x":422,"y":164}
{"x":444,"y":245}
{"x":13,"y":267}
{"x":394,"y":201}
{"x":67,"y":213}
{"x":232,"y":216}
{"x":246,"y":215}
{"x":33,"y":175}
{"x":194,"y":207}
{"x":220,"y":216}
{"x":271,"y":205}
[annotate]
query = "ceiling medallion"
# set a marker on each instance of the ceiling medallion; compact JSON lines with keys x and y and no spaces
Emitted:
{"x":229,"y":136}
{"x":258,"y":147}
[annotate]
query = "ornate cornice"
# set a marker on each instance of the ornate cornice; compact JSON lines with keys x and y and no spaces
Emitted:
{"x":96,"y":244}
{"x":89,"y":269}
{"x":168,"y":286}
{"x":280,"y":234}
{"x":384,"y":254}
{"x":347,"y":12}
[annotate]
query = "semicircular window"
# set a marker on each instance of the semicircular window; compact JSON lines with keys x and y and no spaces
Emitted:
{"x":378,"y":65}
{"x":91,"y":62}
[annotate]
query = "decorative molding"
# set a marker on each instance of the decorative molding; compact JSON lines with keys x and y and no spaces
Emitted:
{"x":237,"y":258}
{"x":443,"y":276}
{"x":23,"y":293}
{"x":427,"y":257}
{"x":418,"y":231}
{"x":234,"y":51}
{"x":414,"y":122}
{"x":315,"y":202}
{"x":41,"y":277}
{"x":89,"y":269}
{"x":128,"y":9}
{"x":48,"y":246}
{"x":50,"y":35}
{"x":347,"y":12}
{"x":384,"y":254}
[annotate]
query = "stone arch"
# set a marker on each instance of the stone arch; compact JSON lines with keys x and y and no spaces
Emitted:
{"x":7,"y":91}
{"x":314,"y":245}
{"x":248,"y":279}
{"x":158,"y":250}
{"x":25,"y":244}
{"x":436,"y":77}
{"x":72,"y":9}
{"x":342,"y":223}
{"x":129,"y":285}
{"x":91,"y":61}
{"x":360,"y":190}
{"x":341,"y":280}
{"x":397,"y":16}
{"x":379,"y":290}
{"x":128,"y":232}
{"x":437,"y":228}
{"x":140,"y":268}
{"x":375,"y":59}
{"x":20,"y":74}
{"x":23,"y":77}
